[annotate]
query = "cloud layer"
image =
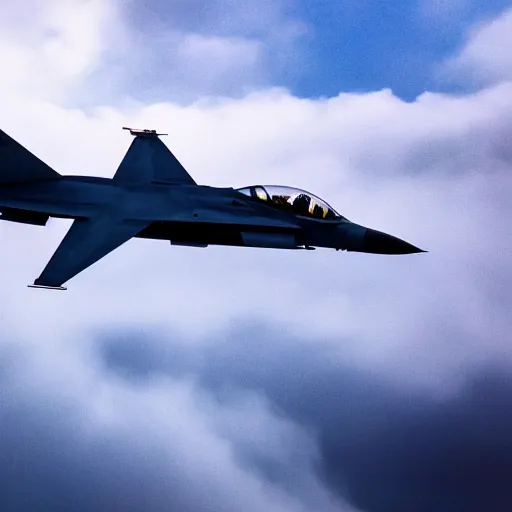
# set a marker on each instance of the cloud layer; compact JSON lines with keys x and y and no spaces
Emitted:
{"x":232,"y":379}
{"x":383,"y":446}
{"x":140,"y":419}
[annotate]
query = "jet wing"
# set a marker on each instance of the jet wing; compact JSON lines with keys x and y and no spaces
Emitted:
{"x":149,"y":160}
{"x":86,"y":242}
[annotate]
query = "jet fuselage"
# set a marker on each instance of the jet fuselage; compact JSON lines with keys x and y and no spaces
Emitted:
{"x":151,"y":195}
{"x":182,"y":214}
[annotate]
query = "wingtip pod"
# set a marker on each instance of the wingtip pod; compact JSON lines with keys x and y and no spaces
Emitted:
{"x":45,"y":287}
{"x":138,"y":132}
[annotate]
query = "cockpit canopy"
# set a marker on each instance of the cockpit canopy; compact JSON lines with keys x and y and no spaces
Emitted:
{"x":294,"y":200}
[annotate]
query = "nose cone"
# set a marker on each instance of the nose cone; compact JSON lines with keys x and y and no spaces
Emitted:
{"x":381,"y":243}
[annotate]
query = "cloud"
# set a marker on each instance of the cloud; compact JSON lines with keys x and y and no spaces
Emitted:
{"x":245,"y":420}
{"x":189,"y":49}
{"x":435,"y":176}
{"x":384,"y":446}
{"x":79,"y":437}
{"x":248,"y":379}
{"x":484,"y":59}
{"x":51,"y":48}
{"x":202,"y":64}
{"x":257,"y":422}
{"x":253,"y":18}
{"x":136,"y":50}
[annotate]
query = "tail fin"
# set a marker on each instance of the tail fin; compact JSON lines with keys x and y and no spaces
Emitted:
{"x":17,"y":164}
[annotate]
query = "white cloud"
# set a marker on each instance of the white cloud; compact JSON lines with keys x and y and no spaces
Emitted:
{"x":485,"y":58}
{"x":211,"y":63}
{"x":65,"y":50}
{"x":59,"y":45}
{"x":435,"y":172}
{"x":404,"y":168}
{"x":185,"y":50}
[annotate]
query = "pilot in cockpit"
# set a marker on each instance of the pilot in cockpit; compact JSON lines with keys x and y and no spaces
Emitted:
{"x":301,"y":204}
{"x":318,"y":212}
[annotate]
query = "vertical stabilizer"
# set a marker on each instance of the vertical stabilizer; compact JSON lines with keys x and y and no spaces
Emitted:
{"x":17,"y":164}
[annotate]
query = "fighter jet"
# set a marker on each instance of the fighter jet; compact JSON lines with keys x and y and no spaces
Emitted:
{"x":151,"y":195}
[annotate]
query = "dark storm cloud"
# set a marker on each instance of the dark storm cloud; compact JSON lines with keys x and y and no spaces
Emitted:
{"x":76,"y":437}
{"x":50,"y":459}
{"x":384,"y":447}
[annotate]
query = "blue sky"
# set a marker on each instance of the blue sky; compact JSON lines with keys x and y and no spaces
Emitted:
{"x":381,"y":44}
{"x":333,"y":46}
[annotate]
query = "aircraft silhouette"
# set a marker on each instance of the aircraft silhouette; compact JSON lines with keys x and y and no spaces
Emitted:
{"x":152,"y":196}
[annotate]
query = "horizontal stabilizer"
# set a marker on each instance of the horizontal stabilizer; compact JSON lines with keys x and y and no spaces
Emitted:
{"x":149,"y":160}
{"x":86,"y":242}
{"x":17,"y":164}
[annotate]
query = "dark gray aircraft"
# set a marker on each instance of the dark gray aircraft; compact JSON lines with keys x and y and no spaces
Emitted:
{"x":152,"y":196}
